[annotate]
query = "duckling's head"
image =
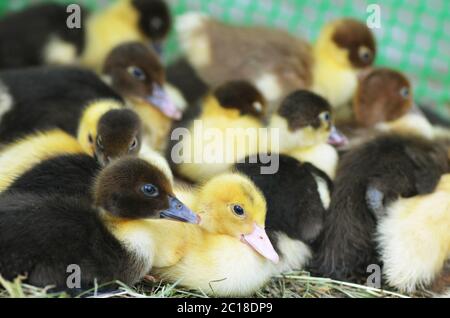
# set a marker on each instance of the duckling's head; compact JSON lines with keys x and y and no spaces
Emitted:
{"x":348,"y":42}
{"x":305,"y":119}
{"x":241,"y":96}
{"x":383,"y":95}
{"x":119,"y":133}
{"x":230,"y":204}
{"x":135,"y":72}
{"x":155,"y":20}
{"x":132,"y":188}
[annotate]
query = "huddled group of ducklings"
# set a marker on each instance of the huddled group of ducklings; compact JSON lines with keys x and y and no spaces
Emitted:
{"x":87,"y":174}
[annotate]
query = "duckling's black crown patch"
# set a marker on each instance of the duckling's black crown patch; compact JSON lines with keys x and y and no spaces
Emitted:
{"x":302,"y":108}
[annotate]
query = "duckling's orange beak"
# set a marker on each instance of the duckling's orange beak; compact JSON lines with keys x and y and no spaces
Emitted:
{"x":260,"y":242}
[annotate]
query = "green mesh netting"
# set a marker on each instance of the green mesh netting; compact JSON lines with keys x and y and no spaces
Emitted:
{"x":414,"y":36}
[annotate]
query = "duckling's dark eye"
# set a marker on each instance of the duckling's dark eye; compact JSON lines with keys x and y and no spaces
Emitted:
{"x":365,"y":54}
{"x":156,"y":23}
{"x":133,"y":144}
{"x":325,"y":116}
{"x":150,"y":190}
{"x":90,"y":139}
{"x":404,"y":92}
{"x":238,"y":210}
{"x":99,"y":142}
{"x":137,"y":73}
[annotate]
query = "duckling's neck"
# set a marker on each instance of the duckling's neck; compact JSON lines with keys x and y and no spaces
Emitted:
{"x":135,"y":237}
{"x":212,"y":108}
{"x":444,"y":184}
{"x":108,"y":28}
{"x":287,"y":140}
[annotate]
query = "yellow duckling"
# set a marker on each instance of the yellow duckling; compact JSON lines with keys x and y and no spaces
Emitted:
{"x":225,"y":130}
{"x":124,"y":21}
{"x":228,"y":253}
{"x":414,"y":240}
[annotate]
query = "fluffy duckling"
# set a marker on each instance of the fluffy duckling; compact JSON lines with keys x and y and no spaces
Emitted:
{"x":136,"y":73}
{"x":306,"y":131}
{"x":220,"y":131}
{"x":383,"y":95}
{"x":40,"y":233}
{"x":383,"y":102}
{"x":125,"y":20}
{"x":104,"y":128}
{"x":369,"y":178}
{"x":132,"y":70}
{"x":228,"y":253}
{"x":275,"y":61}
{"x":40,"y":34}
{"x":298,"y":196}
{"x":104,"y":135}
{"x":414,"y":241}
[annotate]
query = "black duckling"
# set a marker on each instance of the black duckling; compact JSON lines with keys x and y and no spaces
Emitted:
{"x":40,"y":34}
{"x":369,"y":178}
{"x":41,"y":234}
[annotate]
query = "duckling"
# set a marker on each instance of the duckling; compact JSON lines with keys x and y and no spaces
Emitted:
{"x":414,"y":241}
{"x":369,"y":178}
{"x":136,"y":73}
{"x":124,"y":21}
{"x":306,"y":131}
{"x":40,"y":34}
{"x":40,"y":233}
{"x":383,"y":102}
{"x":217,"y":133}
{"x":384,"y":95}
{"x":298,"y":196}
{"x":132,"y":70}
{"x":104,"y":127}
{"x":40,"y":162}
{"x":228,"y":253}
{"x":275,"y":61}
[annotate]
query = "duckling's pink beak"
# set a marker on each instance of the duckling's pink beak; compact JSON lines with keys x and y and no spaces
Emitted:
{"x":260,"y":242}
{"x":337,"y":138}
{"x":161,"y":100}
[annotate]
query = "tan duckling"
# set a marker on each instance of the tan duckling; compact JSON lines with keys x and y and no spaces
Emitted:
{"x":275,"y":61}
{"x":222,"y":130}
{"x":45,"y":229}
{"x":228,"y":253}
{"x":306,"y":131}
{"x":414,"y":241}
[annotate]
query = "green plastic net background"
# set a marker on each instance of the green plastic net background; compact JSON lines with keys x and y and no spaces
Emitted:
{"x":414,"y":36}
